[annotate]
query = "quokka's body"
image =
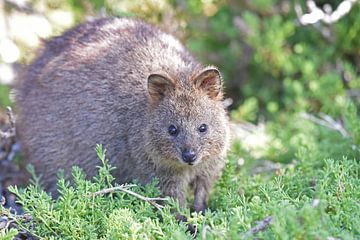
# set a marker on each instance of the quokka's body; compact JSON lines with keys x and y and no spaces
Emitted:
{"x":134,"y":89}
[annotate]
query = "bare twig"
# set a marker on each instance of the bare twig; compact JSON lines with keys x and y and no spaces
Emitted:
{"x":326,"y":121}
{"x":203,"y":232}
{"x":8,"y":220}
{"x":332,"y":238}
{"x":2,"y":200}
{"x":325,"y":15}
{"x":260,"y":226}
{"x":10,"y":133}
{"x":8,"y":145}
{"x":123,"y":188}
{"x":266,"y":166}
{"x":21,"y":6}
{"x":111,"y":190}
{"x":10,"y":114}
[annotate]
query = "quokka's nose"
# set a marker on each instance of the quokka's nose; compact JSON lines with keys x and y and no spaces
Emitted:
{"x":188,"y":156}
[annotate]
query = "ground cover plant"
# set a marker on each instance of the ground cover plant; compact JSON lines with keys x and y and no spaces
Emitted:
{"x":293,"y":171}
{"x":315,"y":196}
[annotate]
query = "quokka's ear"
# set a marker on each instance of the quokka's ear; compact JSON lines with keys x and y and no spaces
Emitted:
{"x":159,"y":85}
{"x":210,"y":81}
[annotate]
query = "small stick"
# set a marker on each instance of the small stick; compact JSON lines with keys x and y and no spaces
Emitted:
{"x":10,"y":114}
{"x":203,"y":232}
{"x":326,"y":121}
{"x":325,"y":15}
{"x":2,"y":200}
{"x":122,"y":188}
{"x":11,"y":132}
{"x":260,"y":226}
{"x":16,"y":220}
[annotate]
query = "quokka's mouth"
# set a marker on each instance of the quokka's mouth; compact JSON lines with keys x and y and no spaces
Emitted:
{"x":189,"y":164}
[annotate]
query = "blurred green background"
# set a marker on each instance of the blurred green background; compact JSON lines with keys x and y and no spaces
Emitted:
{"x":270,"y":61}
{"x":279,"y":59}
{"x":292,"y":73}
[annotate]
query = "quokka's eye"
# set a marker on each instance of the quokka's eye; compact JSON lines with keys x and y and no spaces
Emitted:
{"x":203,"y":128}
{"x":173,"y":131}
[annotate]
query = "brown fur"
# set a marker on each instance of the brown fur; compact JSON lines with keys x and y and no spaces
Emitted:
{"x":122,"y":83}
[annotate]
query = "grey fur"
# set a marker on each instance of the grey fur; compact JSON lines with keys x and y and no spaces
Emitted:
{"x":91,"y":85}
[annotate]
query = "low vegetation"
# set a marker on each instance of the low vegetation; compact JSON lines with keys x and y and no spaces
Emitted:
{"x":296,"y":175}
{"x":315,"y":194}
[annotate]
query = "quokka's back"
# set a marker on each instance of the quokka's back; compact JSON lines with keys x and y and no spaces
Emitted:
{"x":134,"y":89}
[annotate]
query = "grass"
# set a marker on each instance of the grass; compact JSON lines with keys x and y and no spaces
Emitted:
{"x":314,"y":194}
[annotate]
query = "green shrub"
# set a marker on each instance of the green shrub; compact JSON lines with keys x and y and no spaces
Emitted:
{"x":292,"y":78}
{"x":314,"y":196}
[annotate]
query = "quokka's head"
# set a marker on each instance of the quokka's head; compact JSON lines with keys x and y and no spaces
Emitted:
{"x":187,"y":120}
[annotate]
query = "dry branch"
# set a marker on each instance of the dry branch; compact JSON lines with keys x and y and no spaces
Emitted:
{"x":326,"y":121}
{"x":10,"y":133}
{"x":123,"y":188}
{"x":9,"y":220}
{"x":325,"y":15}
{"x":260,"y":226}
{"x":203,"y":232}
